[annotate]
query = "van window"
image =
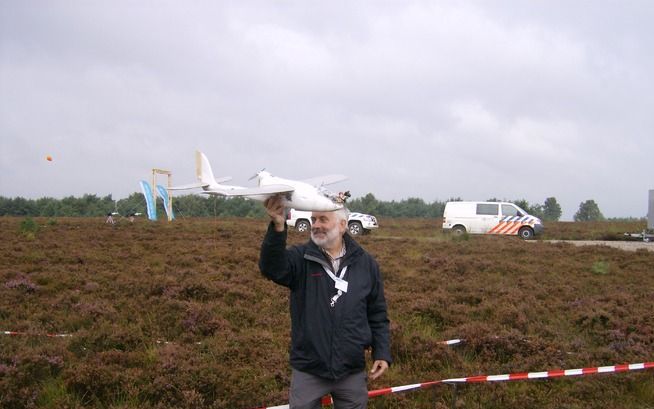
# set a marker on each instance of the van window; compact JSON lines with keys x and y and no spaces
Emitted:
{"x":488,"y":208}
{"x":508,"y":210}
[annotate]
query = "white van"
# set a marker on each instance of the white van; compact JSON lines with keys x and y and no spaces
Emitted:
{"x":490,"y":218}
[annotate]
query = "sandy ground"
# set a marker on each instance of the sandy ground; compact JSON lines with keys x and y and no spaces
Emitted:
{"x":622,"y":245}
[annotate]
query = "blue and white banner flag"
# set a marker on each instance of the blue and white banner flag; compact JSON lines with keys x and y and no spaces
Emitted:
{"x":149,"y":200}
{"x":164,"y":195}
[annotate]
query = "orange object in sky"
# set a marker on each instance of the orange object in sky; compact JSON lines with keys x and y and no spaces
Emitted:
{"x":49,"y":158}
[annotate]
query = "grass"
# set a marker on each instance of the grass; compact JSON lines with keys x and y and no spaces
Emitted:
{"x":600,"y":267}
{"x":177,"y":315}
{"x":29,"y":228}
{"x":53,"y":394}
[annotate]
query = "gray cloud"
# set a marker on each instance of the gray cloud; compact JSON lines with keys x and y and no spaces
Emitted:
{"x":423,"y":99}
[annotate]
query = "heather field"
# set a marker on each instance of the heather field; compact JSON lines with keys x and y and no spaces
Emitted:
{"x":177,"y":315}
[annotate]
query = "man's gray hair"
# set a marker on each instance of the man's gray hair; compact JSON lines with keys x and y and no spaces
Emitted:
{"x":342,"y":214}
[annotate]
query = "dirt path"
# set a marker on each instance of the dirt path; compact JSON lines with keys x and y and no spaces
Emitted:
{"x":622,"y":245}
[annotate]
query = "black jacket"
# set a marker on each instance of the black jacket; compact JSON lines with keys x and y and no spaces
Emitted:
{"x":329,"y":341}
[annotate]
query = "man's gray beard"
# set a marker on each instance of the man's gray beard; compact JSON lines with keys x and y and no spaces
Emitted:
{"x":330,"y":237}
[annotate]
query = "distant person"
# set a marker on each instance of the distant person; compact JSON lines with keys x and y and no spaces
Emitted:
{"x":343,"y":196}
{"x":110,"y":219}
{"x":130,"y":217}
{"x":338,"y":309}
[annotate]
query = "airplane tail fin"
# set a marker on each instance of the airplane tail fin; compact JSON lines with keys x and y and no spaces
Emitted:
{"x":203,"y":169}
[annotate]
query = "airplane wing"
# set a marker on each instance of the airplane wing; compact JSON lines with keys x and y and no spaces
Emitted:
{"x":199,"y":184}
{"x":325,"y":180}
{"x":251,"y":191}
{"x":189,"y":186}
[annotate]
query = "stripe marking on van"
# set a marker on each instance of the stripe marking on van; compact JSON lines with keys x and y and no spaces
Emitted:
{"x":511,"y":224}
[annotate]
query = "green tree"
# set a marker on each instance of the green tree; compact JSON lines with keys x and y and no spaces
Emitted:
{"x":436,"y":209}
{"x":367,"y":204}
{"x":47,"y":206}
{"x":134,"y":203}
{"x":551,"y":209}
{"x":192,"y":206}
{"x":413,"y":207}
{"x":19,"y":206}
{"x":536,"y":210}
{"x":588,"y":212}
{"x":5,"y":206}
{"x":522,"y":203}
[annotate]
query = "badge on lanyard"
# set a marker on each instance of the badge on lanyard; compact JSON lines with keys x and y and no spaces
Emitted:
{"x":341,"y":284}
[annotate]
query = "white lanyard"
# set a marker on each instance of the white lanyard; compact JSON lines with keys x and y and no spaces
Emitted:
{"x":339,"y":283}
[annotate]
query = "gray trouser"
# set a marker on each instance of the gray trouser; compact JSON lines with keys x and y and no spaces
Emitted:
{"x":349,"y":392}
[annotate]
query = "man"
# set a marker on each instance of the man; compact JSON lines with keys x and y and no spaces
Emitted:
{"x":337,"y":309}
{"x":110,"y":219}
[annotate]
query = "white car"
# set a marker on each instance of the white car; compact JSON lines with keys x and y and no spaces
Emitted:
{"x":358,"y":223}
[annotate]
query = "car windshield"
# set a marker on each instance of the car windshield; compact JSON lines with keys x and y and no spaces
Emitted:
{"x":512,"y":210}
{"x":521,"y":211}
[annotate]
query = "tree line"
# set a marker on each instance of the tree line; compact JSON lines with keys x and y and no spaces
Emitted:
{"x":550,"y":210}
{"x":215,"y":206}
{"x":93,"y":206}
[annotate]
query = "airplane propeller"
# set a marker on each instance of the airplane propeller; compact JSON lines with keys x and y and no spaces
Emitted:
{"x":256,"y":174}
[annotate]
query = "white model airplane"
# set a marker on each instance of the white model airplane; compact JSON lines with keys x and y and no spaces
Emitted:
{"x":300,"y":195}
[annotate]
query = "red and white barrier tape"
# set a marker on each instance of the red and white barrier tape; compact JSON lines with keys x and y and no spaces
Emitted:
{"x":159,"y":341}
{"x":497,"y":378}
{"x":35,"y":334}
{"x":173,"y":343}
{"x":451,"y":342}
{"x":551,"y":374}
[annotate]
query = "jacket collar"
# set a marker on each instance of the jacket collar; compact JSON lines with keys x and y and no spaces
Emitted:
{"x":352,"y":249}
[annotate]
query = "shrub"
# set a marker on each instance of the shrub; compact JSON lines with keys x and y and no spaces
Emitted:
{"x":600,"y":267}
{"x":22,"y":283}
{"x":29,"y":227}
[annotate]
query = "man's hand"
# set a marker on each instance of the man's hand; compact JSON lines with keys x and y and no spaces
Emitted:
{"x":378,"y":368}
{"x":275,"y":210}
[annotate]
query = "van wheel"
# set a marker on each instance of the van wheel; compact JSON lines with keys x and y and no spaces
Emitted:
{"x":355,"y":228}
{"x":526,"y":233}
{"x":458,"y":230}
{"x":302,"y":226}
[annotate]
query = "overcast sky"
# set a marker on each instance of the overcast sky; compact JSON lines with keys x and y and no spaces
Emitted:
{"x":430,"y":99}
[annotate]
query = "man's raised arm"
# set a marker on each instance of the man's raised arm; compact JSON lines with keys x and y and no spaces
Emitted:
{"x":273,"y":260}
